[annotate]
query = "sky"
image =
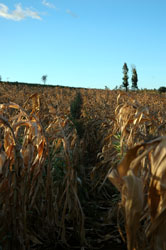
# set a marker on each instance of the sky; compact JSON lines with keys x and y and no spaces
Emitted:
{"x":83,"y":43}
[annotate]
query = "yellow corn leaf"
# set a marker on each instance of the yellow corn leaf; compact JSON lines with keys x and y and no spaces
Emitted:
{"x":129,"y":179}
{"x":157,"y":196}
{"x":35,"y":102}
{"x":57,"y":144}
{"x":132,"y":200}
{"x":28,"y":154}
{"x":116,"y":175}
{"x":41,"y":148}
{"x":157,"y":190}
{"x":9,"y":151}
{"x":116,"y":180}
{"x":123,"y":167}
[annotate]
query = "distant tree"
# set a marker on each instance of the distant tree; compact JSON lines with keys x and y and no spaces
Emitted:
{"x":125,"y":78}
{"x":116,"y":87}
{"x":44,"y":78}
{"x":162,"y":90}
{"x":106,"y":88}
{"x":134,"y":78}
{"x":0,"y":78}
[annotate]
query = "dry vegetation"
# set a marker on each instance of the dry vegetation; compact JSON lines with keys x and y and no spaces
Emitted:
{"x":55,"y":191}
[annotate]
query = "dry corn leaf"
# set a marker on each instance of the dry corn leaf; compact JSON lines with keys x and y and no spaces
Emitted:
{"x":129,"y":175}
{"x":116,"y":179}
{"x":132,"y":200}
{"x":157,"y":196}
{"x":124,"y":165}
{"x":2,"y":160}
{"x":27,"y":153}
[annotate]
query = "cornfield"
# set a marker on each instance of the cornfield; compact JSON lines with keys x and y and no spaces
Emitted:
{"x":102,"y":190}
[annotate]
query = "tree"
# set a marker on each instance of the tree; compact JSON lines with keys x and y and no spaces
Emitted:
{"x":0,"y":78}
{"x":44,"y":78}
{"x":162,"y":90}
{"x":125,"y":78}
{"x":134,"y":78}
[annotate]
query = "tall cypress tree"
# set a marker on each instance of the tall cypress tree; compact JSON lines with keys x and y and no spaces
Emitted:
{"x":125,"y":78}
{"x":134,"y":78}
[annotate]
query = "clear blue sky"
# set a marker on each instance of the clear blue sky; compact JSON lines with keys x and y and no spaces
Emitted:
{"x":83,"y":43}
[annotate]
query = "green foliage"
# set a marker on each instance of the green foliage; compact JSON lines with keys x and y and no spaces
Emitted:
{"x":116,"y":144}
{"x":58,"y":168}
{"x":134,"y":78}
{"x":75,"y":113}
{"x":125,"y":78}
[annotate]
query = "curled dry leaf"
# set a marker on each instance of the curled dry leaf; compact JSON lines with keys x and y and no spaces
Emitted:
{"x":157,"y":196}
{"x":130,"y":179}
{"x":132,"y":200}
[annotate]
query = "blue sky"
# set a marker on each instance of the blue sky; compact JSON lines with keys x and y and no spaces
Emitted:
{"x":83,"y":43}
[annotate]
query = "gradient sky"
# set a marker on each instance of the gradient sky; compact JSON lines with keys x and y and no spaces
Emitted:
{"x":83,"y":43}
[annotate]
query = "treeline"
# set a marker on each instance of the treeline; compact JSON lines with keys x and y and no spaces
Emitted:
{"x":134,"y":80}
